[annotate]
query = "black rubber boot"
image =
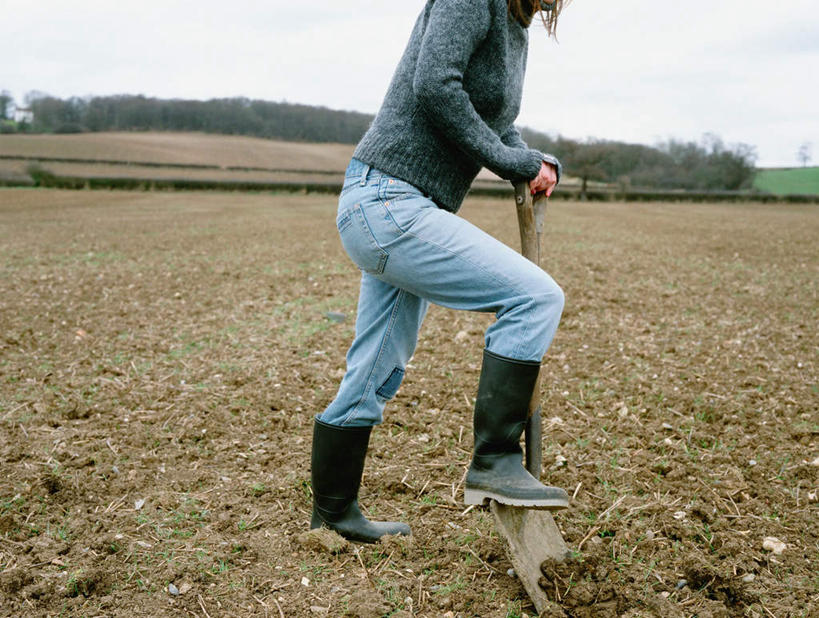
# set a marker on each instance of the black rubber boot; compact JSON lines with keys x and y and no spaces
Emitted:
{"x":501,"y":408}
{"x":337,"y":466}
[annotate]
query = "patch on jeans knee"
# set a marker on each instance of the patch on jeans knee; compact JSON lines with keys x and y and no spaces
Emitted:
{"x":391,"y":384}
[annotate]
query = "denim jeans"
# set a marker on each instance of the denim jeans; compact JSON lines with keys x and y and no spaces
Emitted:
{"x":411,"y":253}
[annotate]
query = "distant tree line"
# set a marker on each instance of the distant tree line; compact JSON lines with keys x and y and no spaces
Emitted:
{"x":702,"y":166}
{"x":708,"y":165}
{"x":235,"y":116}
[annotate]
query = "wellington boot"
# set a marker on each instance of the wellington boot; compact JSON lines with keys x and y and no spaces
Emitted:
{"x":501,"y":409}
{"x":337,"y":466}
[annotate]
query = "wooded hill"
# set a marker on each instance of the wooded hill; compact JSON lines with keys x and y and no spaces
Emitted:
{"x":707,"y":165}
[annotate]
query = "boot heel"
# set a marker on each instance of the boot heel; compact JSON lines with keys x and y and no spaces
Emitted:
{"x":474,"y":496}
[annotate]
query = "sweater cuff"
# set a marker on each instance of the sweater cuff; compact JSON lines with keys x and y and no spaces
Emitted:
{"x":533,"y":161}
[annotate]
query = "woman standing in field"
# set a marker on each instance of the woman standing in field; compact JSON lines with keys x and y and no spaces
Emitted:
{"x":448,"y":112}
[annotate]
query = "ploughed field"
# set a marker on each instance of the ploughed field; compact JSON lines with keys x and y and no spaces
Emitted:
{"x":162,"y":357}
{"x":178,"y":155}
{"x":177,"y":148}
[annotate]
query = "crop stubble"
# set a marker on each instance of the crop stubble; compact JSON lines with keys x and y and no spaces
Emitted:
{"x":173,"y":349}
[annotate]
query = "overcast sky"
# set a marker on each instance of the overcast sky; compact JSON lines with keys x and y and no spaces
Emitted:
{"x":632,"y":70}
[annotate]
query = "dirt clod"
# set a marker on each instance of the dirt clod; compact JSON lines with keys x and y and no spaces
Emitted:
{"x":366,"y":603}
{"x":14,"y":580}
{"x":323,"y":539}
{"x":86,"y":583}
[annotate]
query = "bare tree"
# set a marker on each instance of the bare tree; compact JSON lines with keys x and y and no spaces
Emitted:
{"x":6,"y":104}
{"x":803,"y":155}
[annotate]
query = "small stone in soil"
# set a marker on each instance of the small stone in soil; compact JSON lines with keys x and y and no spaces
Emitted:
{"x":681,"y":584}
{"x":511,"y":572}
{"x":173,"y":590}
{"x":749,"y":578}
{"x":773,"y":544}
{"x":335,"y":316}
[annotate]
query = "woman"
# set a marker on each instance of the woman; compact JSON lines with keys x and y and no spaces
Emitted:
{"x":448,"y":112}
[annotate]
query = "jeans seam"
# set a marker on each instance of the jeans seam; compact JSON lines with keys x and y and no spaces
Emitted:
{"x":382,"y":198}
{"x":389,"y":214}
{"x":387,"y":332}
{"x":376,"y":246}
{"x":525,"y":330}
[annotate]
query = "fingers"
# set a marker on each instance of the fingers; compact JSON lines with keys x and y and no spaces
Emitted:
{"x":545,"y":181}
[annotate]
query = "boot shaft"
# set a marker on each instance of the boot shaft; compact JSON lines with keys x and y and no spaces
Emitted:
{"x":502,"y":404}
{"x":337,"y":466}
{"x":501,"y":410}
{"x":337,"y":463}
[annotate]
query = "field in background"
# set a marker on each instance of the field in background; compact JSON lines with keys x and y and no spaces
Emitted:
{"x":162,"y":356}
{"x":182,"y":148}
{"x":176,"y":149}
{"x":102,"y":170}
{"x":200,"y":157}
{"x":797,"y":180}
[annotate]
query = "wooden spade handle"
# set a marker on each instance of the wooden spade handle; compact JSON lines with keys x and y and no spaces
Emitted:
{"x":531,"y":219}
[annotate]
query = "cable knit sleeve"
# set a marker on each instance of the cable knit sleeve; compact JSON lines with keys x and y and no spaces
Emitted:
{"x":512,"y":138}
{"x":456,"y":28}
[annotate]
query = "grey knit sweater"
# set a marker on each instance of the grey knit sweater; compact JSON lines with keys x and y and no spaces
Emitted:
{"x":452,"y":102}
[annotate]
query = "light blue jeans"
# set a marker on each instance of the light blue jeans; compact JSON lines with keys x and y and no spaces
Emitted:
{"x":412,"y":253}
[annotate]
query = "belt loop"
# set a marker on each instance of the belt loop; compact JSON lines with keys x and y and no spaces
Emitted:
{"x":364,"y":175}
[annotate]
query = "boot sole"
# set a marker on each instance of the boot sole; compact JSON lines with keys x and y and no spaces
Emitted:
{"x":480,"y":497}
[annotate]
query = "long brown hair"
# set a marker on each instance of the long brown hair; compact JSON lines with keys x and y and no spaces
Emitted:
{"x":524,"y":11}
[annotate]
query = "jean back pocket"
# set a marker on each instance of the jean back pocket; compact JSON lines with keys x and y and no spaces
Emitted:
{"x":359,"y":242}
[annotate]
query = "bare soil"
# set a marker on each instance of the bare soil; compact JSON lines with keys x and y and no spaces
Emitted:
{"x":162,"y":357}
